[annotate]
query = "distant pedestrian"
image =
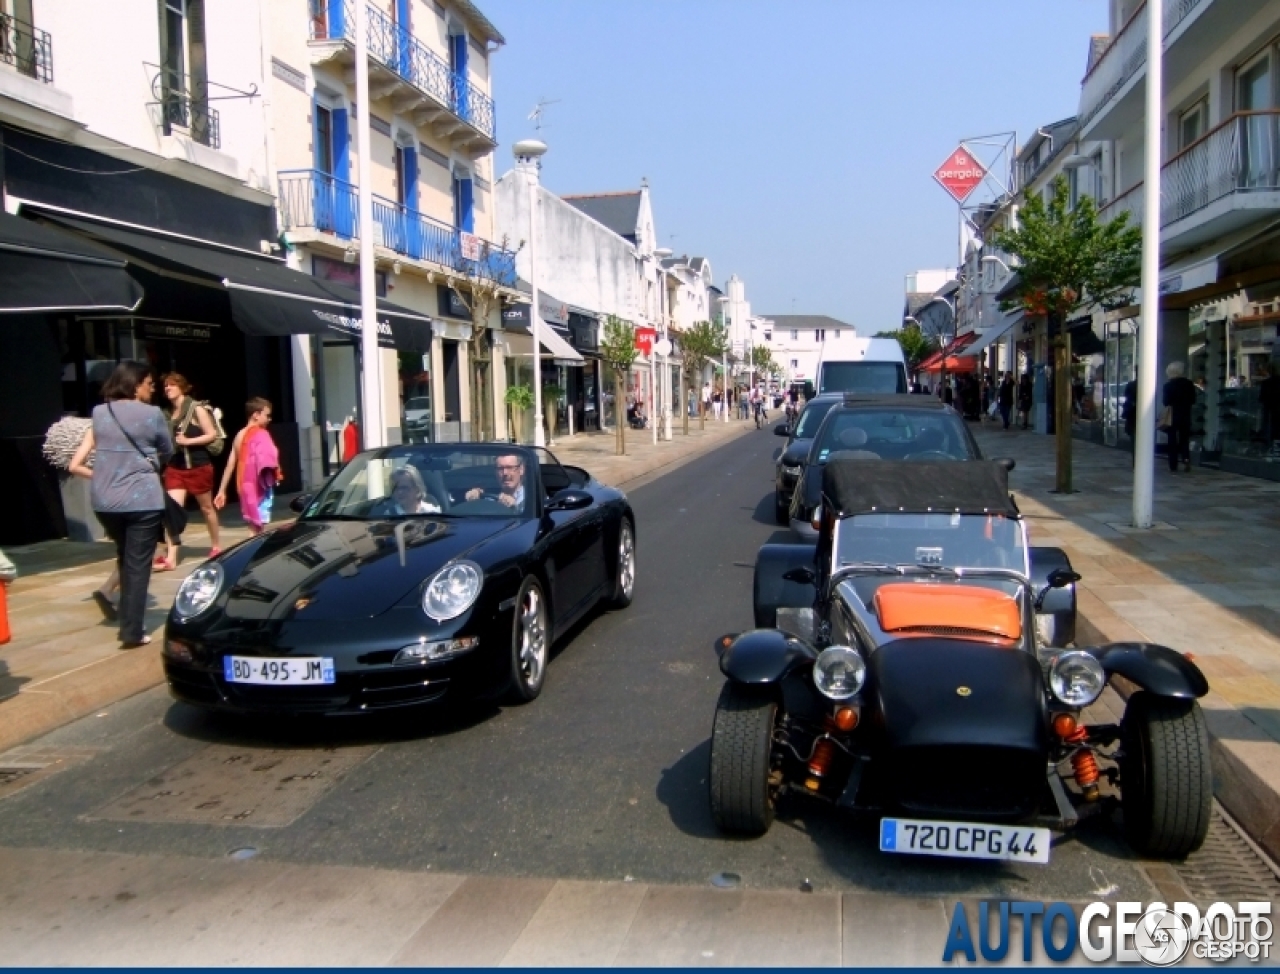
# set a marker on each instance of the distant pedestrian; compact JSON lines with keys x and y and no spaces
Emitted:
{"x":1179,"y":397}
{"x":715,"y":404}
{"x":190,"y":469}
{"x":255,"y":463}
{"x":1024,"y":400}
{"x":706,"y":398}
{"x":1129,"y":413}
{"x":130,"y":441}
{"x":1004,"y":399}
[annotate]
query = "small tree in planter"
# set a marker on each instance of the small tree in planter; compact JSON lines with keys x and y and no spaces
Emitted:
{"x":618,"y":351}
{"x":702,"y":342}
{"x":518,"y":399}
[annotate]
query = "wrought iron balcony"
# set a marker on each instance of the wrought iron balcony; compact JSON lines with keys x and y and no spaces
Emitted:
{"x":26,"y":48}
{"x":1239,"y":158}
{"x":179,"y":107}
{"x":316,"y":200}
{"x":394,"y":47}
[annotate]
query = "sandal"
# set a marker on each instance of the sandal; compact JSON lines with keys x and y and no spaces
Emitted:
{"x":144,"y":641}
{"x":214,"y":552}
{"x":162,"y":565}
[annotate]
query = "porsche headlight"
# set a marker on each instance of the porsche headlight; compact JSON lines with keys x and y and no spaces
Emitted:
{"x":1076,"y":678}
{"x":839,"y":672}
{"x":198,"y":590}
{"x":452,"y":590}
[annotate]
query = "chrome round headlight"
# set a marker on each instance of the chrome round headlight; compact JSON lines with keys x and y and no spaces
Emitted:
{"x":1076,"y":678}
{"x":198,"y":590}
{"x":452,"y":590}
{"x":839,"y":672}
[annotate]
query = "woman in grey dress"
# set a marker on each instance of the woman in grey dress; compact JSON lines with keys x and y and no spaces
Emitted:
{"x":130,"y":440}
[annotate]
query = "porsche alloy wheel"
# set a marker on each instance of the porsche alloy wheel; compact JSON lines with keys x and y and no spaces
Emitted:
{"x":742,"y":798}
{"x":530,"y":642}
{"x":1165,"y":779}
{"x":624,"y":584}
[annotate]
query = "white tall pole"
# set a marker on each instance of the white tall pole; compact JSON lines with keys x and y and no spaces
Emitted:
{"x":1148,"y":333}
{"x":375,"y":429}
{"x":535,"y":318}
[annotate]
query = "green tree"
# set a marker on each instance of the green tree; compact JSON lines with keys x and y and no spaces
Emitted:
{"x":916,"y":345}
{"x":618,"y":351}
{"x":518,"y":399}
{"x":704,"y":341}
{"x":1069,"y":260}
{"x":762,"y":362}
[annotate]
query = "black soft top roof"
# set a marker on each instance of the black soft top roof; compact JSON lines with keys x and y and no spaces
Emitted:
{"x":918,"y":487}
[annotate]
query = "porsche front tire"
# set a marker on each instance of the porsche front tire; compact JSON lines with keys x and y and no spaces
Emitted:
{"x":624,"y":575}
{"x":530,"y":643}
{"x":1165,"y":777}
{"x":742,"y":800}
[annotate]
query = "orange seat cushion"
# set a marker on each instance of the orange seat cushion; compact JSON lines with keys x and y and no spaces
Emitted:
{"x":930,"y":607}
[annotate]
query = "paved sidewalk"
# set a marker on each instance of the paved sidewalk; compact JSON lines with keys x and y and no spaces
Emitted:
{"x":64,"y":660}
{"x":1205,"y":580}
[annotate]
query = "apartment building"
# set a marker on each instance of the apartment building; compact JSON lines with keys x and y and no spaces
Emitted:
{"x":799,"y":342}
{"x":431,"y":126}
{"x":1219,"y":208}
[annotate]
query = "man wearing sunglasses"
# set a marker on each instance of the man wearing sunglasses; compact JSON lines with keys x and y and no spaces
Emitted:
{"x":510,"y":468}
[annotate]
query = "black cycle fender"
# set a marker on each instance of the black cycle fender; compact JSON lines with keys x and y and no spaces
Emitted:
{"x":1157,"y":669}
{"x":1060,"y":603}
{"x":771,"y":591}
{"x":762,"y":656}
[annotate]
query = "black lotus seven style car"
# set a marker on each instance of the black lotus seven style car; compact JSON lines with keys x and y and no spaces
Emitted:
{"x":417,"y":573}
{"x":908,"y":677}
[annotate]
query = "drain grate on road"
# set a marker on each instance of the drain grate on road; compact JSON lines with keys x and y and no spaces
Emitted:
{"x":11,"y":775}
{"x":1227,"y":868}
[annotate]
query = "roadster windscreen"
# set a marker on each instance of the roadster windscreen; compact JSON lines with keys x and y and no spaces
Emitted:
{"x":418,"y":481}
{"x":932,"y":541}
{"x":892,"y":434}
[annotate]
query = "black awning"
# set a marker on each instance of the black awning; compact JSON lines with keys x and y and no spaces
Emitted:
{"x":267,"y":297}
{"x":46,"y":269}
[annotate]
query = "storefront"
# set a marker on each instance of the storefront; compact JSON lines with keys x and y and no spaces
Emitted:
{"x":560,"y":366}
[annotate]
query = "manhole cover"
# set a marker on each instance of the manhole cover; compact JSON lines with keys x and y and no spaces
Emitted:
{"x":1227,"y":868}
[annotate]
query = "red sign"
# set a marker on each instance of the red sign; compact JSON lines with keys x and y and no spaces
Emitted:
{"x":960,"y":174}
{"x":644,"y":340}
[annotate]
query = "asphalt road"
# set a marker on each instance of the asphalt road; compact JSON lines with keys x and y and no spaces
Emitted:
{"x":603,"y":777}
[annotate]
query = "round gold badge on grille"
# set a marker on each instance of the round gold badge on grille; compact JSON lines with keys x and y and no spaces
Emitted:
{"x":963,"y":691}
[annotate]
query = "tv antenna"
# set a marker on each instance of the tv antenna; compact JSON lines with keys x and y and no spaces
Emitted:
{"x":539,"y":112}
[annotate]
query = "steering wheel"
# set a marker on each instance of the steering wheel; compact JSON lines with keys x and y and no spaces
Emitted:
{"x":931,"y":455}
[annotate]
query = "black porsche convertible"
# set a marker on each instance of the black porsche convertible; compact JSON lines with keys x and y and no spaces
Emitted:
{"x":417,"y":574}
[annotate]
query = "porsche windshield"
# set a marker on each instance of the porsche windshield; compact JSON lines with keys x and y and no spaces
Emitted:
{"x":931,"y":542}
{"x":417,"y":481}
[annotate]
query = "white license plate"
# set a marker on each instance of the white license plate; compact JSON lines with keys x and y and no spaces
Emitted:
{"x":295,"y":671}
{"x":965,"y":840}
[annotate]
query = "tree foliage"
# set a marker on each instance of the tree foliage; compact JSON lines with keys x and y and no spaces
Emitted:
{"x":702,"y":342}
{"x":1068,"y":259}
{"x":916,"y":345}
{"x":618,"y":346}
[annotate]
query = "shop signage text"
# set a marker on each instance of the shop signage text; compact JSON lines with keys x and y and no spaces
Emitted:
{"x":644,"y":340}
{"x":960,"y":174}
{"x":179,"y":333}
{"x":349,"y":324}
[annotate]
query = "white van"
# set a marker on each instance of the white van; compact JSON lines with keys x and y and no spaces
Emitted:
{"x":874,"y":365}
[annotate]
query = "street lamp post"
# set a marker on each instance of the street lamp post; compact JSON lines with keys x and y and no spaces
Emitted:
{"x":528,"y":152}
{"x":664,"y":344}
{"x":724,"y":362}
{"x":375,"y":428}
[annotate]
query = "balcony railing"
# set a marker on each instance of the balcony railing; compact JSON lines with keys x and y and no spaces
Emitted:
{"x":1241,"y":155}
{"x":396,"y":48}
{"x":322,"y":202}
{"x":1124,"y":57}
{"x":179,"y":107}
{"x":26,"y":48}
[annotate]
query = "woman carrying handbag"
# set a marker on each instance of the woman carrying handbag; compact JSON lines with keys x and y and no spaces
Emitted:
{"x":131,"y":440}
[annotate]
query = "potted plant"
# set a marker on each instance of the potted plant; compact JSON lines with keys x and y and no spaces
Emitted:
{"x":518,"y":399}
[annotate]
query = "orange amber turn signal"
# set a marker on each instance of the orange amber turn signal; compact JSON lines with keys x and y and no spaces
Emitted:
{"x":1064,"y":725}
{"x":846,"y":719}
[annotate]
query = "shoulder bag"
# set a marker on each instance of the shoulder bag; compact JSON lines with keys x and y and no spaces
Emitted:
{"x":175,"y":516}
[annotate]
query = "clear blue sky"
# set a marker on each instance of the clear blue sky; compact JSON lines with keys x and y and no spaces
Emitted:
{"x":792,"y":143}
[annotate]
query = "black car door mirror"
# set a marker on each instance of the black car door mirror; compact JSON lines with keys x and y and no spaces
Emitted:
{"x":1062,"y":577}
{"x":570,"y":499}
{"x":802,"y":576}
{"x":299,"y":503}
{"x":1007,"y":462}
{"x":781,"y":430}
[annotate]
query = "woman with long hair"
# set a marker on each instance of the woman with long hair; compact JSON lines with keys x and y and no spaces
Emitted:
{"x":190,"y":469}
{"x":130,"y":441}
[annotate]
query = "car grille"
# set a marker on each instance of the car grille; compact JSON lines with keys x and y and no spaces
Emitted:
{"x":978,"y":782}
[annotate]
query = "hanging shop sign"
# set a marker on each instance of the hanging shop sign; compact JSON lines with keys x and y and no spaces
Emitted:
{"x":644,"y":340}
{"x":960,"y":174}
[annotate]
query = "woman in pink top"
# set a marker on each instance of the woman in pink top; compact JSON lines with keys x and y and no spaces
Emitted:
{"x":255,"y":463}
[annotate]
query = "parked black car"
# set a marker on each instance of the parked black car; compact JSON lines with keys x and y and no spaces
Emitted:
{"x":790,"y":463}
{"x":907,"y":677}
{"x":877,"y":427}
{"x":416,"y":574}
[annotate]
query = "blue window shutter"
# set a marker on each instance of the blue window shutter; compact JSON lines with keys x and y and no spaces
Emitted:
{"x":341,"y":145}
{"x":404,"y":37}
{"x":337,"y":20}
{"x":410,"y":177}
{"x":466,"y":214}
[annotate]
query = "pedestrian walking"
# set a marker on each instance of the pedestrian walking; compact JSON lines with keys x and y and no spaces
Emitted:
{"x":1004,"y":399}
{"x":190,"y":469}
{"x":255,"y":463}
{"x":1129,"y":414}
{"x":1024,"y":400}
{"x":706,"y":399}
{"x":715,"y":404}
{"x":130,"y":441}
{"x":1179,"y":397}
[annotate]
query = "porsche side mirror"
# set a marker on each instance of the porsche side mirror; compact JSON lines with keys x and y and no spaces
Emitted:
{"x":1007,"y":462}
{"x":781,"y":430}
{"x":1062,"y":577}
{"x":802,"y":576}
{"x":570,"y":499}
{"x":299,"y":503}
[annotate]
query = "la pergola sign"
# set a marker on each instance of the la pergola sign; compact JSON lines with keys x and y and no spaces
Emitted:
{"x":961,"y":174}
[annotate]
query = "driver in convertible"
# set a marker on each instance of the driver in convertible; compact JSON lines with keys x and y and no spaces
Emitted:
{"x":408,"y":496}
{"x":510,"y":468}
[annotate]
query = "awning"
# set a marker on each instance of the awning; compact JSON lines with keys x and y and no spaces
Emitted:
{"x":1083,"y":339}
{"x":46,"y":269}
{"x":953,"y":361}
{"x":267,"y":297}
{"x":520,"y":345}
{"x":992,"y":335}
